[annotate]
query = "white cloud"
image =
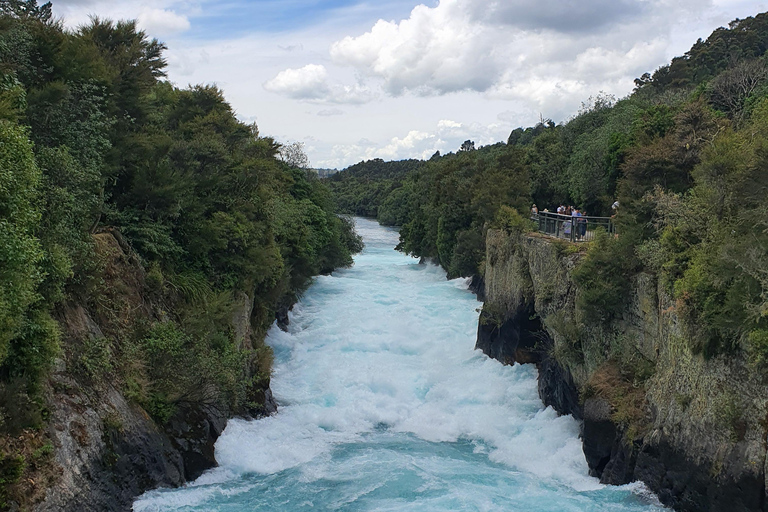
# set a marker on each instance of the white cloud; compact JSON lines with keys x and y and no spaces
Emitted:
{"x":311,"y":83}
{"x":546,"y":54}
{"x":435,"y":50}
{"x":415,"y":144}
{"x":557,"y":15}
{"x":162,"y":22}
{"x":330,"y":112}
{"x":447,"y":136}
{"x":448,"y":124}
{"x":307,"y":83}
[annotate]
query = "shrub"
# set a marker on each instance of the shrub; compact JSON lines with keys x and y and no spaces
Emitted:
{"x":95,"y":358}
{"x":11,"y":469}
{"x":510,"y":220}
{"x":628,"y":402}
{"x":20,"y":252}
{"x":603,"y":278}
{"x":195,"y":368}
{"x":757,"y":348}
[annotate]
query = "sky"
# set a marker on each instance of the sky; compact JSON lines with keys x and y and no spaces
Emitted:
{"x":354,"y":80}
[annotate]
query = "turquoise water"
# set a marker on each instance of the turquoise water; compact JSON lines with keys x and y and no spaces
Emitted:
{"x":384,"y":405}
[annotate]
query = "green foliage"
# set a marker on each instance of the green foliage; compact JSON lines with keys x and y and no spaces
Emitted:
{"x":757,"y":349}
{"x":28,"y":336}
{"x":603,"y":277}
{"x":95,"y":357}
{"x":711,"y":242}
{"x":187,"y":369}
{"x":196,"y":196}
{"x":367,"y":189}
{"x":743,"y":39}
{"x":348,"y":237}
{"x":510,"y":220}
{"x":26,"y":9}
{"x":13,"y":98}
{"x":34,"y":349}
{"x":468,"y":252}
{"x":193,"y":286}
{"x":20,"y":253}
{"x":42,"y":453}
{"x":396,"y":209}
{"x":567,"y":248}
{"x":455,"y":198}
{"x":11,"y":469}
{"x":599,"y":138}
{"x":626,"y":397}
{"x":568,"y":345}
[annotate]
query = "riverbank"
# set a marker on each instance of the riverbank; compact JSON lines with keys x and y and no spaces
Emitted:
{"x":689,"y":427}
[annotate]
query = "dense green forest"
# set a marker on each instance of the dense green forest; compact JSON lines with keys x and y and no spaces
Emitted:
{"x":93,"y":140}
{"x":686,"y":155}
{"x":363,"y":187}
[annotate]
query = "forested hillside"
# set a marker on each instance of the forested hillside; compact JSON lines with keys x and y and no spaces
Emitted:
{"x":364,"y":186}
{"x":685,"y":155}
{"x":94,"y":141}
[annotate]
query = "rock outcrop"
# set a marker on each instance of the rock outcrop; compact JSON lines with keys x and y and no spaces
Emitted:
{"x":106,"y":449}
{"x":693,"y":429}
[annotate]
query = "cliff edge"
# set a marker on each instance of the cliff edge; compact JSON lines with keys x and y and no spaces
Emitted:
{"x":692,"y":428}
{"x":106,"y":448}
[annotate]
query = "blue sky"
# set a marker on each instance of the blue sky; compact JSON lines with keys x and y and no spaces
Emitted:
{"x":400,"y":79}
{"x":237,"y":18}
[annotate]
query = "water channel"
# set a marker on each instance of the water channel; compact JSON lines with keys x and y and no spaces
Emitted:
{"x":385,"y":406}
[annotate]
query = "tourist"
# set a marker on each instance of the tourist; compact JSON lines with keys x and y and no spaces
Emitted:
{"x":576,"y":221}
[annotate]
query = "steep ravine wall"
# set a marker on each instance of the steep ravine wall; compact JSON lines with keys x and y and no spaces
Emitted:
{"x":106,"y":448}
{"x":693,"y":429}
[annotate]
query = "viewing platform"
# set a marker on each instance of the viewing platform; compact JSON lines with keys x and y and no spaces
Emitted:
{"x":573,"y":229}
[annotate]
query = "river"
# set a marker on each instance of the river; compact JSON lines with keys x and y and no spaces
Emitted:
{"x":384,"y":405}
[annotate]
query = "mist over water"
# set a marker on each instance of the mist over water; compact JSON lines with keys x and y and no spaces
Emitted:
{"x":384,"y":405}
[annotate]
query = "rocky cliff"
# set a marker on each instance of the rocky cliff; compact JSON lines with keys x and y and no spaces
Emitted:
{"x":106,"y":448}
{"x":693,"y":429}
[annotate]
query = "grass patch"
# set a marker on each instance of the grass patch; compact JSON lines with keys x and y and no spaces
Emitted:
{"x":627,"y":400}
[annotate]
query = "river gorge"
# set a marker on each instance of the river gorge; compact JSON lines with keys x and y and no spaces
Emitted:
{"x":385,"y":405}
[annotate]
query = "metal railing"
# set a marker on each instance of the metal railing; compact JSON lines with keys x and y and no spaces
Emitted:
{"x":574,"y":229}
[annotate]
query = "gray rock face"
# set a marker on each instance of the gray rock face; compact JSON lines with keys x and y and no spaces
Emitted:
{"x":514,"y":340}
{"x":108,"y":450}
{"x":599,"y":434}
{"x":704,"y":444}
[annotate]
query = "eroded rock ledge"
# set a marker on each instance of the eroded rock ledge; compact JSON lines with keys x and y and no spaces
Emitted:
{"x":693,"y":429}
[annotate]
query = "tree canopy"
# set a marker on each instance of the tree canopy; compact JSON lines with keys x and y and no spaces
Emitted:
{"x":93,"y":142}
